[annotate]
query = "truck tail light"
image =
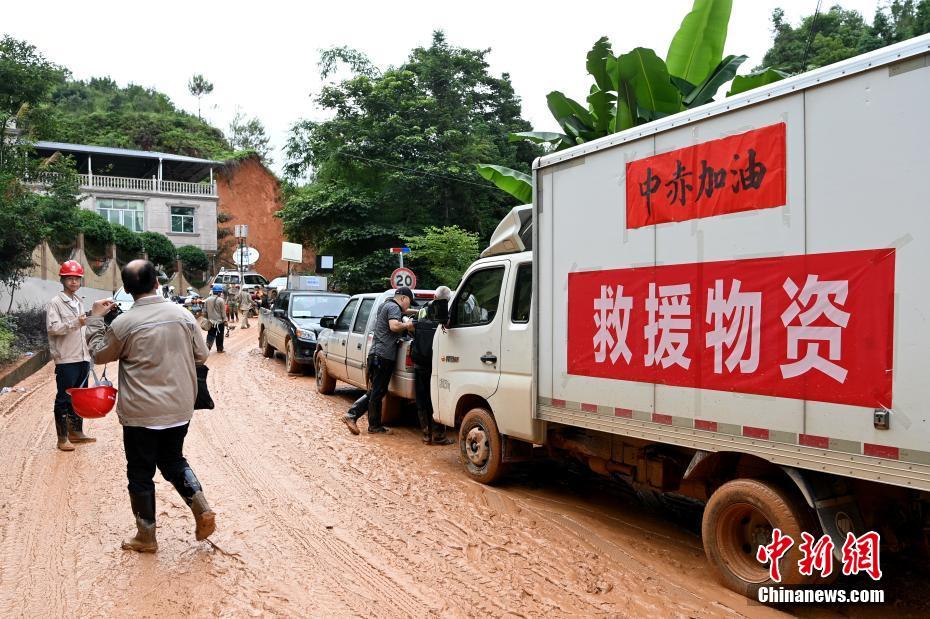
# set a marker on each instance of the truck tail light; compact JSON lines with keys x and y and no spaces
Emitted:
{"x":408,"y":360}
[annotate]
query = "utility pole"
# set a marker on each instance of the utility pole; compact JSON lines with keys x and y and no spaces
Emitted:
{"x":241,"y":232}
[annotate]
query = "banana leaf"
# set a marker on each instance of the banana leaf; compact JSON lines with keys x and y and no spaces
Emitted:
{"x":514,"y":182}
{"x":742,"y":83}
{"x":571,"y":115}
{"x":723,"y":73}
{"x":597,"y":63}
{"x":648,"y":77}
{"x":698,"y":45}
{"x":601,"y":103}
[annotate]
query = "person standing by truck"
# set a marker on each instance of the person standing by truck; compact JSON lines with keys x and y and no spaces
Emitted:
{"x":421,"y":351}
{"x":65,"y":320}
{"x":245,"y":306}
{"x":389,"y":324}
{"x":215,"y":308}
{"x":158,"y":346}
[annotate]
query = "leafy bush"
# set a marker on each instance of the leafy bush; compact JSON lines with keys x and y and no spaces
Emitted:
{"x":126,"y":240}
{"x":194,"y":258}
{"x":95,"y":227}
{"x":160,"y":249}
{"x":7,"y":350}
{"x":21,"y":331}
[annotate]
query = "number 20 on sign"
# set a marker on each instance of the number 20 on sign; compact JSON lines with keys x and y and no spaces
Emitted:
{"x":403,"y":277}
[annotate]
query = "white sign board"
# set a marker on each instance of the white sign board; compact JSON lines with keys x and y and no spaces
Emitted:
{"x":292,"y":252}
{"x":249,"y":256}
{"x":241,"y":231}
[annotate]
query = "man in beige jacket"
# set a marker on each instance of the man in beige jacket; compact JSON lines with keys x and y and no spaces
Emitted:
{"x":245,"y":306}
{"x":158,"y":345}
{"x":64,"y":321}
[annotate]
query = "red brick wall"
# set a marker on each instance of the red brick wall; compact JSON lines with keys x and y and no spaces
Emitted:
{"x":251,"y":195}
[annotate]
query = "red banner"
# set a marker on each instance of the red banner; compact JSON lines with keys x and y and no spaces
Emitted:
{"x":738,"y":173}
{"x":815,"y":327}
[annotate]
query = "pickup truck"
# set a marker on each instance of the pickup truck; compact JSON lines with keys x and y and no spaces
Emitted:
{"x":293,"y":323}
{"x":342,"y":350}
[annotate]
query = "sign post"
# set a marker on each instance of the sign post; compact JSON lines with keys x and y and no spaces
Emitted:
{"x":241,"y":233}
{"x":400,"y":251}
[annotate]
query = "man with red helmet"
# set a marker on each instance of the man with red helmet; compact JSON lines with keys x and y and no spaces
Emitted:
{"x":65,"y":319}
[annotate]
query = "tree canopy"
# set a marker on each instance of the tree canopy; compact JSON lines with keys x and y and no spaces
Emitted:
{"x":822,"y":39}
{"x":398,"y":155}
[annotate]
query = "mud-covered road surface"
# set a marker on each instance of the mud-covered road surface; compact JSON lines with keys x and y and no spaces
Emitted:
{"x":312,"y":521}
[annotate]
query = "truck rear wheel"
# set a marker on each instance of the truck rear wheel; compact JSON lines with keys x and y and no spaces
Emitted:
{"x":480,"y":446}
{"x":267,"y":349}
{"x":325,"y":383}
{"x":740,"y":517}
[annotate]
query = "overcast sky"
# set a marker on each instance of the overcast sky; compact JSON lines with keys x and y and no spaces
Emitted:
{"x":262,"y":56}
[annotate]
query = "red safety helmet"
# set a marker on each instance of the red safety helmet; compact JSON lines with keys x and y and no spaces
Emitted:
{"x":71,"y":268}
{"x":92,"y":402}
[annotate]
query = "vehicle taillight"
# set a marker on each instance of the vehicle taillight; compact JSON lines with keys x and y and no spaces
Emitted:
{"x":408,"y":360}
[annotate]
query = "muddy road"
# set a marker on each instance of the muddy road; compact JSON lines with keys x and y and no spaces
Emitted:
{"x":312,"y":521}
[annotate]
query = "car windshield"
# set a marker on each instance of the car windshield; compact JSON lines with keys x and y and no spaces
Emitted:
{"x":254,"y":280}
{"x":122,"y":295}
{"x":312,"y":306}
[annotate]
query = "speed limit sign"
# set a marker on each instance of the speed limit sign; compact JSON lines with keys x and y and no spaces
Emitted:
{"x":403,"y":277}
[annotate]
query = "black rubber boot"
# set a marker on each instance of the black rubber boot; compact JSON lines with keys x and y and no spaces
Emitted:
{"x":76,"y":430}
{"x":61,"y":429}
{"x":143,"y":507}
{"x":188,"y":486}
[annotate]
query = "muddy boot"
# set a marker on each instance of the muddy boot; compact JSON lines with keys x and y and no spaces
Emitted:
{"x":61,"y":428}
{"x":188,"y":486}
{"x":76,"y":431}
{"x":440,"y":438}
{"x":143,"y":507}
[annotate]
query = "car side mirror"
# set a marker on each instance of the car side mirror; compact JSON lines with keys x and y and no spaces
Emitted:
{"x":280,"y":313}
{"x":328,"y":322}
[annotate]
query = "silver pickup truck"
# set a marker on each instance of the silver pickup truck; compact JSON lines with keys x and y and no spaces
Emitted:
{"x":342,"y":350}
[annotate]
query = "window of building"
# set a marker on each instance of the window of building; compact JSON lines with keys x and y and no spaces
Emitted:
{"x":129,"y":213}
{"x":182,"y":219}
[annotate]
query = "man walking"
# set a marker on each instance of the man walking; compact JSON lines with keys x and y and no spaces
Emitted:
{"x":64,"y":321}
{"x":158,"y":345}
{"x":215,"y":308}
{"x":245,"y":306}
{"x":389,"y":324}
{"x":421,"y":351}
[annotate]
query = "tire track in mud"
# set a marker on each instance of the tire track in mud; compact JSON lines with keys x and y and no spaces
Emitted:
{"x":464,"y":547}
{"x":297,"y":519}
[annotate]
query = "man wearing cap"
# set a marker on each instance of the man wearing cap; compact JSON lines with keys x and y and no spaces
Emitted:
{"x":65,"y":320}
{"x":389,"y":325}
{"x":215,"y":308}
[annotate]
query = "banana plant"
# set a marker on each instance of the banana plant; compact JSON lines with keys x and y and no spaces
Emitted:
{"x":638,"y":87}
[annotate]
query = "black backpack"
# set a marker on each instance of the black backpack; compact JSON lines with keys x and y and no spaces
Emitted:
{"x":421,"y":350}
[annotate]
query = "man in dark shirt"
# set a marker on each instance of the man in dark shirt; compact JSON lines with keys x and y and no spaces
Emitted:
{"x":389,"y":325}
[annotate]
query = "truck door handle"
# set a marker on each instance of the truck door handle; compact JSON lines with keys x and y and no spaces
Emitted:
{"x":358,"y":346}
{"x":488,"y":358}
{"x":343,"y":342}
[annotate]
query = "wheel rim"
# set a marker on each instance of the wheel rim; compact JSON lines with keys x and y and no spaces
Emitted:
{"x":477,"y":449}
{"x":741,"y":529}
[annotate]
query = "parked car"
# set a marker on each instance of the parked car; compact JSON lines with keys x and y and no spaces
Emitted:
{"x":279,"y":283}
{"x":250,"y":279}
{"x":123,"y":299}
{"x":293,"y":323}
{"x":342,"y":350}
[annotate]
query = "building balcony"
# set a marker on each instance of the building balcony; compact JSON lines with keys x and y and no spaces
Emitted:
{"x":152,"y":185}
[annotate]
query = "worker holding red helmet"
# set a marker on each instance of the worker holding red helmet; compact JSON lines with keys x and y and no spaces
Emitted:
{"x":65,"y":319}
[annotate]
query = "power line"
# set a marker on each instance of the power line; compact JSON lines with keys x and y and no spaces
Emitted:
{"x":810,"y":35}
{"x":414,"y":170}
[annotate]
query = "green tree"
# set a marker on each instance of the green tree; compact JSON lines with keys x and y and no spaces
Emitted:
{"x":249,"y":134}
{"x":26,"y":76}
{"x":398,"y":155}
{"x":95,"y":227}
{"x":199,"y":87}
{"x":160,"y":249}
{"x":822,"y":39}
{"x":193,"y":258}
{"x":445,"y":252}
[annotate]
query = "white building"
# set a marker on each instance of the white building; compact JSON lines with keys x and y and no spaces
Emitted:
{"x":147,"y":191}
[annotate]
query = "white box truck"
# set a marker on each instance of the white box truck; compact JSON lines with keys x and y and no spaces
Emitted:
{"x":731,"y":304}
